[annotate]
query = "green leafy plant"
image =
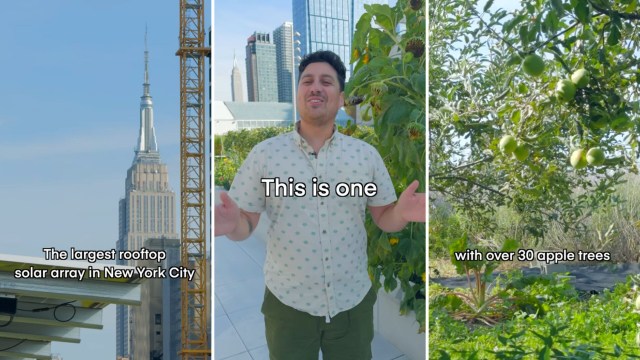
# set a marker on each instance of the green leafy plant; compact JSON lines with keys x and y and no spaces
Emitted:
{"x":225,"y":170}
{"x":389,"y":77}
{"x":232,"y":148}
{"x":218,"y":145}
{"x":240,"y":142}
{"x":485,"y":307}
{"x":599,"y":327}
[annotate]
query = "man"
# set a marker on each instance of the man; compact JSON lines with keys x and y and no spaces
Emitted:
{"x":318,"y":294}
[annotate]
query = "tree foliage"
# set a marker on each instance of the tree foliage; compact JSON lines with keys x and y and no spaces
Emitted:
{"x":479,"y":92}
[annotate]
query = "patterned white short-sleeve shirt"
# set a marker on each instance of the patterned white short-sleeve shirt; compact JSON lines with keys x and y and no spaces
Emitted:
{"x":317,"y":245}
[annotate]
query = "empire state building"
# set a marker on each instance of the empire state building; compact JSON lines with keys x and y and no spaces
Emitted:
{"x":147,"y":211}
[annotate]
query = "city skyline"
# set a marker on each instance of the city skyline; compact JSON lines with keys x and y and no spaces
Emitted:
{"x":234,"y":24}
{"x":69,"y":125}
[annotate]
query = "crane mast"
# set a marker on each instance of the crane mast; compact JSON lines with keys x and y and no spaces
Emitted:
{"x":193,"y":204}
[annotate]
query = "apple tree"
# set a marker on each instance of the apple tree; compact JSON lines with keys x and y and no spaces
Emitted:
{"x":535,"y":107}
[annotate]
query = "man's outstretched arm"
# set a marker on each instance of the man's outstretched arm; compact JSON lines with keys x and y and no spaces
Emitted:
{"x":411,"y":206}
{"x":233,"y":222}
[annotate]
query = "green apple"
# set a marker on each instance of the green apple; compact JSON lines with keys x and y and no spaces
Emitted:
{"x":578,"y":159}
{"x":533,"y":65}
{"x":507,"y":144}
{"x":521,"y":152}
{"x":565,"y":90}
{"x":595,"y":156}
{"x":580,"y":78}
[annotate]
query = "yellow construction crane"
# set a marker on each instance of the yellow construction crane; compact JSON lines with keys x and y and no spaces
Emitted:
{"x":193,"y":204}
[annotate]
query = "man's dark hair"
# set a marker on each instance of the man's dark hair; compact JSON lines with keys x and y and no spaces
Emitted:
{"x":325,"y":56}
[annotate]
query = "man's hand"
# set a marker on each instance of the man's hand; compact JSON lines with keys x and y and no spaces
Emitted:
{"x":411,"y":205}
{"x":227,"y":215}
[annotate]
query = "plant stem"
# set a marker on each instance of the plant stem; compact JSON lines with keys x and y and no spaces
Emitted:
{"x":556,"y":35}
{"x":475,"y":12}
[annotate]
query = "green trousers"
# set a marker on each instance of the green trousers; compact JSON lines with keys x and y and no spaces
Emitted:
{"x":297,"y":335}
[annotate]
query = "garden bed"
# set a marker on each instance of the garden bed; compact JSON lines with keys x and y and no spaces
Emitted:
{"x":587,"y":314}
{"x":583,"y":277}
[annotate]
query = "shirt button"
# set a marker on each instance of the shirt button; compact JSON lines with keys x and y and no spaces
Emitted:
{"x":326,"y":259}
{"x":328,"y":284}
{"x":324,"y":231}
{"x":321,"y":202}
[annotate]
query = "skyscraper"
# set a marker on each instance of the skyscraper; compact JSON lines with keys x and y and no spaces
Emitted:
{"x":262,"y":78}
{"x":148,"y":210}
{"x":283,"y":38}
{"x":328,"y":25}
{"x":236,"y":82}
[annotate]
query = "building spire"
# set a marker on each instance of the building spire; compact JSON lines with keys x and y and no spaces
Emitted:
{"x":236,"y":81}
{"x":146,"y":63}
{"x":147,"y":148}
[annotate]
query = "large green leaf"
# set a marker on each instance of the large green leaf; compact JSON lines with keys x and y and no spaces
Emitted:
{"x":398,"y":112}
{"x":418,"y":82}
{"x":487,"y":6}
{"x":383,"y":16}
{"x":614,"y":36}
{"x":581,"y":10}
{"x":362,"y":30}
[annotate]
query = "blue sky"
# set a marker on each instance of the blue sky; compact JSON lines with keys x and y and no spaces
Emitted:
{"x":71,"y":79}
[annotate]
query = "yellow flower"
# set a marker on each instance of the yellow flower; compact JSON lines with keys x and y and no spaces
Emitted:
{"x":365,"y":59}
{"x":394,"y":241}
{"x":424,"y":277}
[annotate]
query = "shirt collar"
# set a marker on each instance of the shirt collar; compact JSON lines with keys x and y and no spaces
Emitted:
{"x":301,"y":142}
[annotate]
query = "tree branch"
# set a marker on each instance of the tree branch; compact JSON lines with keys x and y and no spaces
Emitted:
{"x":628,"y":16}
{"x":475,"y":12}
{"x":485,"y":159}
{"x":557,"y":35}
{"x":453,"y":177}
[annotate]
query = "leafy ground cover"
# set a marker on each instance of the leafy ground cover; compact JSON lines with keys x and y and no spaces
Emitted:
{"x":545,"y":318}
{"x":532,"y":317}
